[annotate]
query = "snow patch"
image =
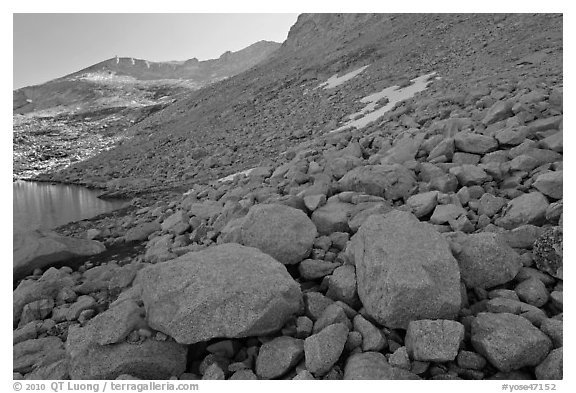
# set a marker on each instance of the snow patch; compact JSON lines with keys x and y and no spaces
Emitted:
{"x":232,"y":176}
{"x":28,"y":100}
{"x":147,"y":63}
{"x":394,"y":94}
{"x":117,"y":60}
{"x":133,"y":61}
{"x":334,"y":80}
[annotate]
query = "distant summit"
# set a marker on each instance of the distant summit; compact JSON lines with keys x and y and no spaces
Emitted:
{"x":128,"y":81}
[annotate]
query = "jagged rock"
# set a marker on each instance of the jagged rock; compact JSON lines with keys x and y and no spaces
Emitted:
{"x":409,"y":264}
{"x":227,"y":290}
{"x":283,"y":232}
{"x":278,"y":356}
{"x":115,"y":324}
{"x":323,"y":349}
{"x":434,"y":341}
{"x":550,"y":184}
{"x":526,"y":209}
{"x":38,"y":249}
{"x":388,"y":181}
{"x":508,"y":341}
{"x":486,"y":260}
{"x":552,"y":367}
{"x":150,"y":359}
{"x":374,"y":366}
{"x":315,"y":303}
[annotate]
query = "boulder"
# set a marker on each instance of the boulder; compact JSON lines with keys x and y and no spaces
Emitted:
{"x":223,"y":291}
{"x":434,"y":341}
{"x":486,"y":260}
{"x":405,"y":270}
{"x":500,"y":110}
{"x":509,"y":342}
{"x":39,"y":249}
{"x":389,"y":181}
{"x":285,"y":233}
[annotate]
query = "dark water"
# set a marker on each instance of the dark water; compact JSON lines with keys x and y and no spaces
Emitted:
{"x":43,"y":205}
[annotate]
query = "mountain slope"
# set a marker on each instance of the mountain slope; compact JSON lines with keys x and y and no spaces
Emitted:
{"x":135,"y":82}
{"x":255,"y":117}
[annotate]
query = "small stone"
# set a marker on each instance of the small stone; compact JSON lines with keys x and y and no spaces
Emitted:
{"x":548,"y":251}
{"x":313,"y":269}
{"x":315,"y":303}
{"x":525,"y":209}
{"x":342,"y":285}
{"x":470,"y":360}
{"x":334,"y":313}
{"x":373,"y":366}
{"x":436,"y":341}
{"x":552,"y":367}
{"x":553,"y":329}
{"x":278,"y":356}
{"x":214,"y":373}
{"x":470,"y":142}
{"x":532,"y":291}
{"x":303,"y":375}
{"x":83,"y":302}
{"x":490,"y":204}
{"x":304,"y":327}
{"x":354,"y":340}
{"x":323,"y":349}
{"x":400,"y":359}
{"x":36,"y":310}
{"x":313,"y":202}
{"x":423,"y":204}
{"x":372,"y":338}
{"x":444,"y":213}
{"x":508,"y":341}
{"x":244,"y":375}
{"x":486,"y":260}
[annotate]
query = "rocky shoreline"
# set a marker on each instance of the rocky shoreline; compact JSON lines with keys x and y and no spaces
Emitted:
{"x":420,"y":254}
{"x":425,"y":245}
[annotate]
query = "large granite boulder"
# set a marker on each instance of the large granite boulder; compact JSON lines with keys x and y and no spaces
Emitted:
{"x":405,"y":270}
{"x":39,"y":249}
{"x":223,"y":291}
{"x":283,"y":232}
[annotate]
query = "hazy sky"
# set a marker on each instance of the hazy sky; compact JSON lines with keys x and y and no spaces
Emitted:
{"x":48,"y":46}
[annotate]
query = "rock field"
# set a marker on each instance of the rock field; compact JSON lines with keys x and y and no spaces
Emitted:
{"x":426,"y":245}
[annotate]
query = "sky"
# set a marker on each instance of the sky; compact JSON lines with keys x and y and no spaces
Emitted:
{"x":48,"y":46}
